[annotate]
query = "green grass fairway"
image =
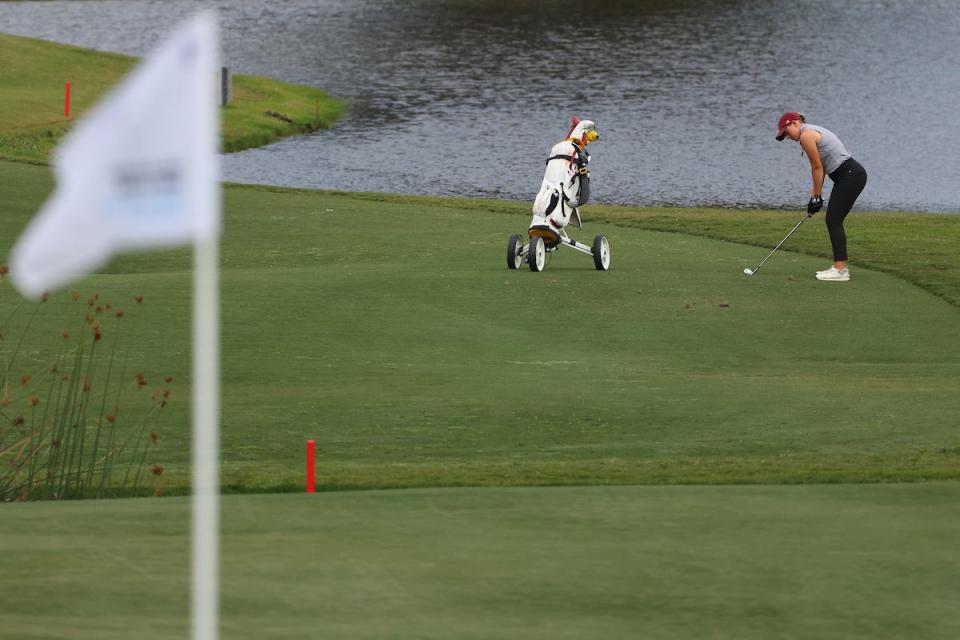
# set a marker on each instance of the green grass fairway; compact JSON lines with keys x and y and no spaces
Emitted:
{"x":391,"y":331}
{"x":842,"y":561}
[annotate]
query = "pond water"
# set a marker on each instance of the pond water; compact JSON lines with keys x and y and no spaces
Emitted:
{"x":465,"y":97}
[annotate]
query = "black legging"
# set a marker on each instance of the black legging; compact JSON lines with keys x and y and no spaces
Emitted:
{"x":849,"y":179}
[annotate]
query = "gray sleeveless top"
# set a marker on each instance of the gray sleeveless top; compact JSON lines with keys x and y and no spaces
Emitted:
{"x":832,"y":151}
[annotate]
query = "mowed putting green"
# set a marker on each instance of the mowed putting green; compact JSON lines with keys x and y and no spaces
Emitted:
{"x":390,"y":331}
{"x":819,"y":561}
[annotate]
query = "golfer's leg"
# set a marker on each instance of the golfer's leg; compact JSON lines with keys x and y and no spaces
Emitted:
{"x":845,"y":192}
{"x":838,"y":237}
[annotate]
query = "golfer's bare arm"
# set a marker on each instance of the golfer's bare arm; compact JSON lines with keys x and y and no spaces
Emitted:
{"x":809,"y":140}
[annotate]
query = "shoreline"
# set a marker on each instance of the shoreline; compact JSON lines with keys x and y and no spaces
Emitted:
{"x":33,"y":104}
{"x":263,"y":111}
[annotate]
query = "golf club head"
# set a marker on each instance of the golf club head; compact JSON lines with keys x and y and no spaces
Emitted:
{"x":748,"y":272}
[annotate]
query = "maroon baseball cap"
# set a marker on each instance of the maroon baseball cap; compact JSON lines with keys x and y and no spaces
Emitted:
{"x":789,"y":116}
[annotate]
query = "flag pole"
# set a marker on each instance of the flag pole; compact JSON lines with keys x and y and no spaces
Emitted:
{"x":206,"y":441}
{"x":205,"y":516}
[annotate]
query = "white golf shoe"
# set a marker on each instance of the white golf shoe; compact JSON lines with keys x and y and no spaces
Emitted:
{"x":834,"y":275}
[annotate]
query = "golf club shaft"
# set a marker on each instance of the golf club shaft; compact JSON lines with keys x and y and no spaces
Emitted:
{"x":781,"y":243}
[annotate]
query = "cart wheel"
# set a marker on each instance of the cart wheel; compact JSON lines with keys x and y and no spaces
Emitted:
{"x":601,"y":253}
{"x":537,"y":254}
{"x":515,"y":251}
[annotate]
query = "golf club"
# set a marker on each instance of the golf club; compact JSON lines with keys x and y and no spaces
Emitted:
{"x":750,"y":272}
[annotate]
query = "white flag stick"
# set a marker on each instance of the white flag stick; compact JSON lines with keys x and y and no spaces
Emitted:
{"x":205,"y":512}
{"x":206,"y":442}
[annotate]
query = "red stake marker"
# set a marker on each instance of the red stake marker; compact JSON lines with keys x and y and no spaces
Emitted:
{"x":66,"y":101}
{"x":311,"y":465}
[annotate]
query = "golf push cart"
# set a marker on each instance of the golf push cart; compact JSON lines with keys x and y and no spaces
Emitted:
{"x":566,"y":186}
{"x":544,"y":241}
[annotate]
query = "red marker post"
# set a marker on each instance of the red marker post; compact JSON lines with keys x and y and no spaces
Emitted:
{"x":311,"y":465}
{"x":66,"y":101}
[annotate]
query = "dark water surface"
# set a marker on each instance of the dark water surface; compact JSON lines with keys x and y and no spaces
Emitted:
{"x":465,"y":97}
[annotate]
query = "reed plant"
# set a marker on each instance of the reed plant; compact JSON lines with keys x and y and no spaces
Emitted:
{"x":74,"y":414}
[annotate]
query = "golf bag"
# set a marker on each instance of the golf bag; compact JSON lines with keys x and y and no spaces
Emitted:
{"x":565,"y":186}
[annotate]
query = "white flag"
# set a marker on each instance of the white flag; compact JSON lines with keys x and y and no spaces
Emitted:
{"x":140,"y":170}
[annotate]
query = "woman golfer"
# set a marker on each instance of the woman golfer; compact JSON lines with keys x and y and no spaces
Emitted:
{"x":827,"y":156}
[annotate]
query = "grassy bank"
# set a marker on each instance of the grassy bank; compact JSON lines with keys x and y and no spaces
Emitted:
{"x":33,"y":74}
{"x":389,"y":329}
